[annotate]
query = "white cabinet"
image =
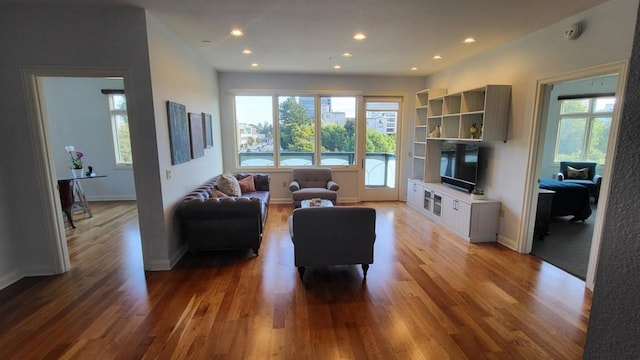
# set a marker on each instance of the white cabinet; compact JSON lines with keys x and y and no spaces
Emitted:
{"x":419,"y":150}
{"x":456,"y":215}
{"x":473,"y":220}
{"x":473,"y":115}
{"x":415,"y":194}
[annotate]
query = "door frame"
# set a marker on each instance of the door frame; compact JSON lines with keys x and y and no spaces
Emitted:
{"x":45,"y":174}
{"x":365,"y":194}
{"x":536,"y":150}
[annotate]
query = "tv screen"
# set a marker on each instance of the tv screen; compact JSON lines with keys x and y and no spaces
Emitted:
{"x":459,"y":164}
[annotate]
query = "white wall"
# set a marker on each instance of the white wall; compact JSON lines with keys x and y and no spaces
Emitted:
{"x":600,"y":85}
{"x":319,"y":84}
{"x":179,"y":74}
{"x":78,"y":115}
{"x":607,"y":37}
{"x":10,"y":268}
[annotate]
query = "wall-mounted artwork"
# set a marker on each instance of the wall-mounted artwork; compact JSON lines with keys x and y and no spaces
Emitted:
{"x":197,"y":135}
{"x":178,"y":133}
{"x":207,"y":126}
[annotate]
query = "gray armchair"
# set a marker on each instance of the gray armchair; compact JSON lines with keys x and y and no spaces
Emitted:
{"x":309,"y":183}
{"x":339,"y":235}
{"x":582,"y":172}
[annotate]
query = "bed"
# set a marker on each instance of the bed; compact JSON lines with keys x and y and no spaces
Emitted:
{"x":569,"y":199}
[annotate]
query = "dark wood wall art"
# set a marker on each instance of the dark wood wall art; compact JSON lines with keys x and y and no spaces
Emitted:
{"x":178,"y":133}
{"x":207,"y":126}
{"x":197,"y":135}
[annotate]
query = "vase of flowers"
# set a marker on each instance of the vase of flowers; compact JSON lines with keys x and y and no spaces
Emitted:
{"x":77,"y":166}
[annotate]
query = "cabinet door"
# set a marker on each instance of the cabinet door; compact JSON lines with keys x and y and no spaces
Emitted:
{"x":437,"y":206}
{"x":414,"y":195}
{"x":463,"y":218}
{"x":456,"y":215}
{"x":427,"y":201}
{"x":449,"y":211}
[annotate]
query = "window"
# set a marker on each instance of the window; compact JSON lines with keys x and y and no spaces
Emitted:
{"x":304,"y":136}
{"x":254,"y":129}
{"x":338,"y":130}
{"x":583,"y":128}
{"x":120,"y":129}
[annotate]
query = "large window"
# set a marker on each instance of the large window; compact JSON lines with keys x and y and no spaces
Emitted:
{"x":311,"y":130}
{"x":120,"y":129}
{"x":583,"y":129}
{"x":254,"y":130}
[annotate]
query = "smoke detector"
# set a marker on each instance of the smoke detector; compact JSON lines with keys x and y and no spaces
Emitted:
{"x":573,"y":31}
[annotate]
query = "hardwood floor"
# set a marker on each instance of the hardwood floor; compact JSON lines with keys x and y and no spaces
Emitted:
{"x":428,"y":295}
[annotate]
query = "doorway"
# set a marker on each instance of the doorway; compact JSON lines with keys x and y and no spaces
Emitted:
{"x":544,"y":163}
{"x":379,"y":170}
{"x":34,"y":77}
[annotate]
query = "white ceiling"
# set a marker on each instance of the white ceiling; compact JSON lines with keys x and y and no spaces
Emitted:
{"x":309,"y":36}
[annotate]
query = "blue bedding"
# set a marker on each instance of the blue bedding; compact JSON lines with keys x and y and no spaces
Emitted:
{"x":569,"y":199}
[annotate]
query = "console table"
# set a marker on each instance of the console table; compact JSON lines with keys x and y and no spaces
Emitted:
{"x":72,"y":196}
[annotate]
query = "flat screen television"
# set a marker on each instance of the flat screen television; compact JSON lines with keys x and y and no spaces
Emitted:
{"x":459,"y":164}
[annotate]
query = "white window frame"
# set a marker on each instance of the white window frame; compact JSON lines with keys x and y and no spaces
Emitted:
{"x":276,"y":126}
{"x":113,"y":113}
{"x":590,"y":115}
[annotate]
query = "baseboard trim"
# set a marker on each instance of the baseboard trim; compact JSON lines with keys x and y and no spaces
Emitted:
{"x":510,"y":243}
{"x":10,"y":278}
{"x":178,"y":255}
{"x":112,"y":198}
{"x":160,"y":265}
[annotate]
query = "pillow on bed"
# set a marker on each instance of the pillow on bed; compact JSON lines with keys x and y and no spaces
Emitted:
{"x":577,"y":174}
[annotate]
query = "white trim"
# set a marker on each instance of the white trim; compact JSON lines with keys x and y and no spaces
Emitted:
{"x":178,"y":255}
{"x":507,"y":242}
{"x":536,"y":148}
{"x":10,"y":278}
{"x":50,"y":203}
{"x":112,"y":198}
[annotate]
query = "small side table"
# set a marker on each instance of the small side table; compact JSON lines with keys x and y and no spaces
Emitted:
{"x":72,"y":196}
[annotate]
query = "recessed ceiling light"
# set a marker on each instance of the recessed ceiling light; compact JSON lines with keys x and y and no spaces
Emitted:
{"x":469,"y":40}
{"x":206,"y":41}
{"x":359,"y":36}
{"x":347,"y":54}
{"x":254,"y":64}
{"x":237,"y":32}
{"x":414,"y":68}
{"x":437,"y":57}
{"x":247,"y":52}
{"x":337,"y":67}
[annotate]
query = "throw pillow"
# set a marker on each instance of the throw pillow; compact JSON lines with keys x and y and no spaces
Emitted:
{"x":218,"y":194}
{"x":247,"y":185}
{"x":228,"y":184}
{"x":578,"y":174}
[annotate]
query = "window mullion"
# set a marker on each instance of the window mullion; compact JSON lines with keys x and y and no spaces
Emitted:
{"x":275,"y":120}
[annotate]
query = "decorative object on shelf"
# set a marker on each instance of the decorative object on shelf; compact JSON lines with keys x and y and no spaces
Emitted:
{"x":77,"y":167}
{"x":478,"y":194}
{"x":435,"y":133}
{"x":473,"y":130}
{"x":90,"y":171}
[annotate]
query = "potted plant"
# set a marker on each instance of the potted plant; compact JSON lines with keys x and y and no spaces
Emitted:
{"x":478,"y":194}
{"x":77,"y":166}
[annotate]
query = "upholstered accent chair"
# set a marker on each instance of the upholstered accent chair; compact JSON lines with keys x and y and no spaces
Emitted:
{"x":313,"y":182}
{"x":338,"y":235}
{"x":582,"y":172}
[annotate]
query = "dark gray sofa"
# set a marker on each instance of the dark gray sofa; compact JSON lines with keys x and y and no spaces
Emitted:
{"x":215,"y":223}
{"x":339,"y":235}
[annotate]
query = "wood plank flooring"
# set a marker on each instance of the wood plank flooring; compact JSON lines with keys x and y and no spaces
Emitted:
{"x":428,"y":295}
